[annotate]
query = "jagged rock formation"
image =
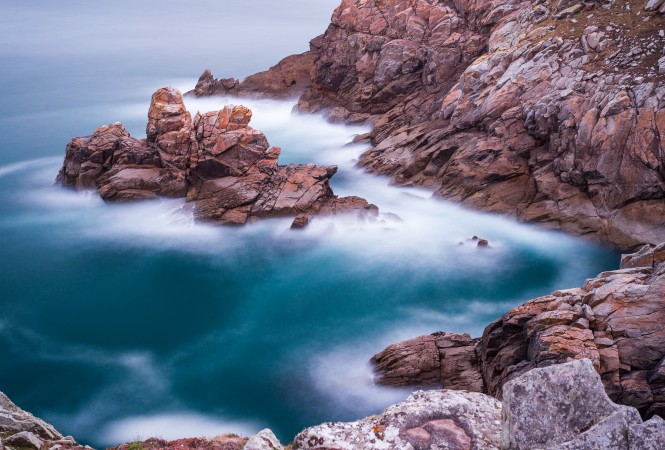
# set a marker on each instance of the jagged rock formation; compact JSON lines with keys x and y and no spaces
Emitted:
{"x":615,"y":320}
{"x":550,"y":111}
{"x":21,"y":430}
{"x":224,"y":167}
{"x":555,"y":408}
{"x":288,"y":78}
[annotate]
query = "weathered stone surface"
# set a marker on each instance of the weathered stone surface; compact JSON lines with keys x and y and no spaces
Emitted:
{"x":564,"y":407}
{"x":288,"y":78}
{"x":169,"y":127}
{"x":442,"y":359}
{"x":427,"y":419}
{"x":225,"y":168}
{"x":647,"y":436}
{"x":263,"y":440}
{"x":614,"y":320}
{"x":20,"y":429}
{"x":548,"y":111}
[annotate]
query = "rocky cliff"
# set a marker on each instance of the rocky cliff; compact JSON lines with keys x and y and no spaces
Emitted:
{"x":614,"y":320}
{"x":225,"y":168}
{"x":547,"y":110}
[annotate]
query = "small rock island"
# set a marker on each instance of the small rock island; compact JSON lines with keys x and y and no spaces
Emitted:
{"x":223,"y":167}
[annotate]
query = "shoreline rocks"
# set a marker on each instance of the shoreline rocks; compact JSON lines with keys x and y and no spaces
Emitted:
{"x":615,"y":320}
{"x":551,"y":112}
{"x":225,"y":169}
{"x":555,"y":408}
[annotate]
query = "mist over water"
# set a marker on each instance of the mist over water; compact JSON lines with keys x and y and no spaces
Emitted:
{"x":128,"y":321}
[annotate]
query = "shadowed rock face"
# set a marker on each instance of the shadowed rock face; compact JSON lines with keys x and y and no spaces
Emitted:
{"x":615,"y":320}
{"x":550,"y":111}
{"x":225,"y":168}
{"x":288,"y":78}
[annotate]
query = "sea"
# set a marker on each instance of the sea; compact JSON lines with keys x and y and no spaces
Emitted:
{"x":124,"y":322}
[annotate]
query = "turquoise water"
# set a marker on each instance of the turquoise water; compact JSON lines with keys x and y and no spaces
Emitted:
{"x":127,"y":321}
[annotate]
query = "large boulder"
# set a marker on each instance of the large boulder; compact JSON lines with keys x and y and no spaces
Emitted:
{"x":425,"y":420}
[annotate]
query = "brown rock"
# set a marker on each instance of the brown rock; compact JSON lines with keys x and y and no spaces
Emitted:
{"x":504,"y":106}
{"x":301,"y":221}
{"x":169,"y":127}
{"x":614,"y":320}
{"x":222,"y":165}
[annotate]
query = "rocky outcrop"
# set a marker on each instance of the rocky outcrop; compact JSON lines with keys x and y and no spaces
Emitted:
{"x":549,"y":111}
{"x":21,"y":430}
{"x":225,"y":168}
{"x":427,"y":419}
{"x":555,"y":408}
{"x":615,"y":320}
{"x":565,"y":407}
{"x":287,"y":79}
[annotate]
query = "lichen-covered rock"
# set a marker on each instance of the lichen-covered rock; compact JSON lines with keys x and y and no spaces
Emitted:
{"x":425,"y":420}
{"x":615,"y":320}
{"x":263,"y":440}
{"x":564,"y":407}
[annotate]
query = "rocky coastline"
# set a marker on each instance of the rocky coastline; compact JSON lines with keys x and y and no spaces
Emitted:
{"x":548,"y":111}
{"x":557,"y":407}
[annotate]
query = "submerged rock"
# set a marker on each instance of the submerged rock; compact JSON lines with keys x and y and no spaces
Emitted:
{"x":225,"y":168}
{"x":615,"y":320}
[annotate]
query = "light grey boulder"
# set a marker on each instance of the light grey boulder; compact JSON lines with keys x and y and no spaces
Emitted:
{"x":24,"y":440}
{"x":263,"y":440}
{"x":440,"y":419}
{"x":647,"y":436}
{"x":564,"y":407}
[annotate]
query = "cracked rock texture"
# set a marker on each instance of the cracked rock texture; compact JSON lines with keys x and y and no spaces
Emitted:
{"x":615,"y":320}
{"x":547,"y":110}
{"x":565,"y":407}
{"x":427,"y":419}
{"x":225,"y":169}
{"x":21,"y":430}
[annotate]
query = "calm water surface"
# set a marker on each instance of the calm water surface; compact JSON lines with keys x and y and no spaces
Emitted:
{"x":126,"y":321}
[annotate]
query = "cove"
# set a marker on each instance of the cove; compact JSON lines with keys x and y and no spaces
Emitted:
{"x":126,"y":321}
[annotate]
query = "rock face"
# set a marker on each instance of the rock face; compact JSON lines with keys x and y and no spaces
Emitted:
{"x":21,"y":430}
{"x":550,"y":111}
{"x":565,"y":407}
{"x":288,"y":78}
{"x":615,"y":320}
{"x":427,"y":419}
{"x":225,"y":168}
